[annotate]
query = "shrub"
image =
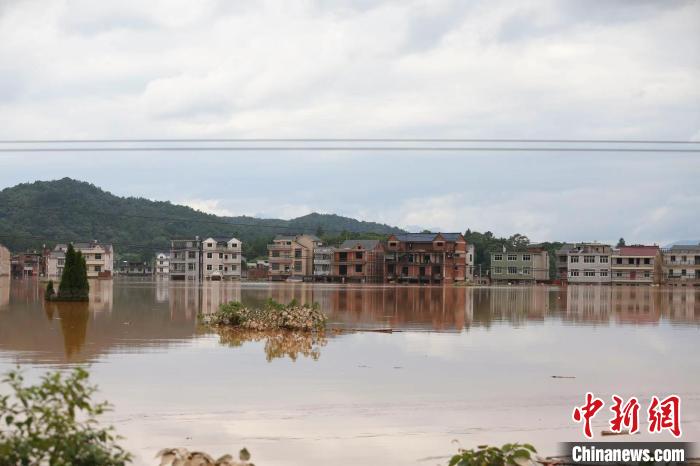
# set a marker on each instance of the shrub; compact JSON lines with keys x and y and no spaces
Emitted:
{"x":55,"y":422}
{"x":272,"y":316}
{"x":513,"y":454}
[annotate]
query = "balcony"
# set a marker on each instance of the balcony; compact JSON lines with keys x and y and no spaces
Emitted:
{"x":279,"y":247}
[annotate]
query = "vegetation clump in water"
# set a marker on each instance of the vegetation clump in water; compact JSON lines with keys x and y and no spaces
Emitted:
{"x":74,"y":284}
{"x":271,"y":316}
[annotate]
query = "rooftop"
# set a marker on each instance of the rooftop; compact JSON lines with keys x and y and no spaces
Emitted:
{"x":426,"y":237}
{"x":367,"y":244}
{"x":638,"y":250}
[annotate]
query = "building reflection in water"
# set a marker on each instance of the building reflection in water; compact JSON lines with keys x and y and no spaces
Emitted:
{"x":125,"y":315}
{"x":278,"y":344}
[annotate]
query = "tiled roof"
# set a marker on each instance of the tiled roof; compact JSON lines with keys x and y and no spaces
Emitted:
{"x":565,"y":248}
{"x":638,"y":250}
{"x":686,"y":247}
{"x":367,"y":244}
{"x":426,"y":237}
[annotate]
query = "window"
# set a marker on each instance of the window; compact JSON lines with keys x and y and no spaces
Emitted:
{"x":209,"y":245}
{"x":618,"y":261}
{"x":588,"y":273}
{"x":588,"y":259}
{"x":297,"y":253}
{"x":234,"y":245}
{"x":526,"y":270}
{"x":221,"y":267}
{"x":208,"y":255}
{"x":358,"y":255}
{"x":603,"y":273}
{"x":673,"y":258}
{"x":526,"y":257}
{"x":208,"y":266}
{"x":439,"y":244}
{"x":191,"y":254}
{"x":647,"y":261}
{"x":647,"y":274}
{"x":603,"y":259}
{"x":190,"y":266}
{"x":630,"y":261}
{"x":392,"y":244}
{"x":297,"y":266}
{"x":498,"y":257}
{"x":684,"y":272}
{"x":275,"y":266}
{"x":358,"y":268}
{"x":574,"y":259}
{"x":221,"y":255}
{"x":225,"y":256}
{"x":98,"y":256}
{"x":512,"y":270}
{"x":234,"y":267}
{"x":512,"y":257}
{"x":618,"y":274}
{"x":574,"y":273}
{"x":98,"y":268}
{"x":275,"y":253}
{"x":404,"y":271}
{"x":497,"y":270}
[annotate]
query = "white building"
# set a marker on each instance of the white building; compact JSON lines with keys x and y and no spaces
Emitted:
{"x":471,"y":257}
{"x":161,"y":267}
{"x":5,"y":261}
{"x":589,"y":263}
{"x":99,"y":259}
{"x":221,"y":258}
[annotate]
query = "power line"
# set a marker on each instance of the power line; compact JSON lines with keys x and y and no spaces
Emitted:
{"x":343,"y":149}
{"x":413,"y":140}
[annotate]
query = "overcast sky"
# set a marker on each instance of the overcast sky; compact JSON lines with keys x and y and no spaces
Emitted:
{"x":444,"y":69}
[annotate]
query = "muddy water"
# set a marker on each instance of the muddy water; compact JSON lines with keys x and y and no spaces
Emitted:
{"x":471,"y":364}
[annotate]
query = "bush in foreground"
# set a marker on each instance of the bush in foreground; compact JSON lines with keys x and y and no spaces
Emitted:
{"x":510,"y":454}
{"x":55,"y":423}
{"x":271,"y":316}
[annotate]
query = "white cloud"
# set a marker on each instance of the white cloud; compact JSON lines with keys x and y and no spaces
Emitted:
{"x":208,"y":206}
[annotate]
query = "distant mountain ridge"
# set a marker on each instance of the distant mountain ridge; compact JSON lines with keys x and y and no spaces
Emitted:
{"x":47,"y":212}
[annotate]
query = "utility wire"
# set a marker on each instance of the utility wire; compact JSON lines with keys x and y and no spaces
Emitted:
{"x":343,"y":149}
{"x":413,"y":140}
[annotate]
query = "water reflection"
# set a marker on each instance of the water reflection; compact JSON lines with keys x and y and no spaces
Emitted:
{"x":278,"y":344}
{"x":127,"y":315}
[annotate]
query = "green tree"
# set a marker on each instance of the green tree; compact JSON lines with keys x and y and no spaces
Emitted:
{"x":621,"y":242}
{"x":74,"y":283}
{"x":55,"y":422}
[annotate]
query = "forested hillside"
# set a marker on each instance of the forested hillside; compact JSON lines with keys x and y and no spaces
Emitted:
{"x":47,"y":212}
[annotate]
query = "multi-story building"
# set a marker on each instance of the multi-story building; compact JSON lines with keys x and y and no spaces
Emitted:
{"x":162,"y":265}
{"x":257,"y":270}
{"x":27,"y":264}
{"x":681,"y":265}
{"x":589,"y":263}
{"x":186,"y":259}
{"x":470,"y":262}
{"x":528,"y":266}
{"x":99,"y":259}
{"x":323,"y":257}
{"x":292,"y":257}
{"x":5,"y":261}
{"x":135,"y":269}
{"x":425,"y":258}
{"x":221,"y":258}
{"x":360,"y":260}
{"x":636,"y":265}
{"x":562,"y":262}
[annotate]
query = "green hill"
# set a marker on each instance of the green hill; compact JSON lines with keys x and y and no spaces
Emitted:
{"x":48,"y":212}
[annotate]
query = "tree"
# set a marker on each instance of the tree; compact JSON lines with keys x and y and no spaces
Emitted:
{"x":55,"y":422}
{"x":621,"y":242}
{"x":74,"y":284}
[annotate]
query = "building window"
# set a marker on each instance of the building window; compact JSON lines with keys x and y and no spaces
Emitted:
{"x":190,"y":266}
{"x":647,"y":274}
{"x":221,"y":255}
{"x":512,"y":257}
{"x":603,"y":273}
{"x":683,"y":272}
{"x":574,"y":259}
{"x":208,"y":255}
{"x":208,"y":266}
{"x":234,"y":245}
{"x":618,"y":274}
{"x":297,"y":266}
{"x":673,"y":258}
{"x":358,"y":255}
{"x":603,"y":259}
{"x":297,"y":253}
{"x":358,"y":268}
{"x":221,"y":267}
{"x":512,"y":270}
{"x":98,"y":268}
{"x":618,"y":261}
{"x":98,"y":256}
{"x":498,"y":257}
{"x":191,"y":255}
{"x":404,"y":271}
{"x":526,"y":270}
{"x":275,"y":266}
{"x":647,"y":261}
{"x":392,"y":244}
{"x":234,"y":267}
{"x":574,"y":273}
{"x":526,"y":257}
{"x":588,"y":273}
{"x":439,"y":244}
{"x":588,"y":259}
{"x":497,"y":270}
{"x":209,"y":245}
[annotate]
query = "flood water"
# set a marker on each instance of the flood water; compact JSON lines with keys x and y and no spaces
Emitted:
{"x":467,"y":364}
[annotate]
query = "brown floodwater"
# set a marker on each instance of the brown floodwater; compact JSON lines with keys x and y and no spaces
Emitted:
{"x":468,"y":364}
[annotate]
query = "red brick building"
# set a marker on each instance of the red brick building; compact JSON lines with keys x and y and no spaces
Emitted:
{"x":425,"y":258}
{"x":359,"y":260}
